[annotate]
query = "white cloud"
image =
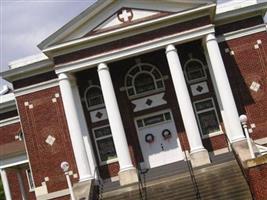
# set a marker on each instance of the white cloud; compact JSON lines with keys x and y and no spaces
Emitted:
{"x":26,"y":23}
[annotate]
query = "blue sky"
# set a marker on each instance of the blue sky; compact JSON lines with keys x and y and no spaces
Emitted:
{"x":25,"y":23}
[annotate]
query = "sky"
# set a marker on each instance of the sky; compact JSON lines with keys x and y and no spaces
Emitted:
{"x":25,"y":23}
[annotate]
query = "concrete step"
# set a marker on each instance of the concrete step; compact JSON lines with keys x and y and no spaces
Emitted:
{"x":222,"y":181}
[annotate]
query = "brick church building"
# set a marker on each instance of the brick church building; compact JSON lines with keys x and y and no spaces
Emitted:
{"x":130,"y":86}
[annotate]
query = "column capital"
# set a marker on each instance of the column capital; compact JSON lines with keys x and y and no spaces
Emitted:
{"x":66,"y":76}
{"x":170,"y":48}
{"x":102,"y":66}
{"x":210,"y":37}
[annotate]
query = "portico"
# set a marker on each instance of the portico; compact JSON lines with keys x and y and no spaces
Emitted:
{"x":196,"y":106}
{"x":198,"y":154}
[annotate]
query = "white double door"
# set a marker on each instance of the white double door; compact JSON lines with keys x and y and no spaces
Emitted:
{"x":161,"y":151}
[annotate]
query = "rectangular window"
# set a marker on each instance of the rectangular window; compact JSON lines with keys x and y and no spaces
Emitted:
{"x":105,"y":145}
{"x":30,"y":179}
{"x":207,"y":116}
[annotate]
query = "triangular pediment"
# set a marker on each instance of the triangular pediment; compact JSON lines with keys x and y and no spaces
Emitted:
{"x":108,"y":15}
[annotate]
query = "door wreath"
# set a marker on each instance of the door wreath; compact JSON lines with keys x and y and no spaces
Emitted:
{"x":166,"y":134}
{"x":149,"y":138}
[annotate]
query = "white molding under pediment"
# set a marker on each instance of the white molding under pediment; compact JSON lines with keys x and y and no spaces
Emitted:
{"x":243,"y":32}
{"x":159,"y":43}
{"x":36,"y":87}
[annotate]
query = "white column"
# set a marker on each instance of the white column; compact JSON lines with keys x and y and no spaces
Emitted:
{"x":116,"y":125}
{"x":184,"y":100}
{"x":5,"y":184}
{"x":233,"y":126}
{"x":199,"y":155}
{"x":21,"y":185}
{"x":75,"y":128}
{"x":86,"y":137}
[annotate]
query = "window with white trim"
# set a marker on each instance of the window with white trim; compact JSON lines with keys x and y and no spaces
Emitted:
{"x":194,"y":70}
{"x":93,"y":97}
{"x":30,"y":179}
{"x":105,"y":145}
{"x":207,"y":117}
{"x":143,"y":78}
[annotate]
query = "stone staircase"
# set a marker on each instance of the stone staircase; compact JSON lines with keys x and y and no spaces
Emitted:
{"x":221,"y":182}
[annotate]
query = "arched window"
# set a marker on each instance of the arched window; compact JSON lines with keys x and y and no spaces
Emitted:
{"x":143,"y":78}
{"x":194,"y":71}
{"x":93,"y":97}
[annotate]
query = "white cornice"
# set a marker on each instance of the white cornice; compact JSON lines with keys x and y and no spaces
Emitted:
{"x":13,"y":161}
{"x":28,"y":68}
{"x":241,"y":13}
{"x":145,"y":47}
{"x":242,"y":32}
{"x":36,"y":87}
{"x":7,"y":103}
{"x":8,"y":121}
{"x":133,"y":30}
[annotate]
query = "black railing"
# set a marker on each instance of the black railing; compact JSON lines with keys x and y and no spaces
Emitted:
{"x":192,"y":176}
{"x":98,"y":187}
{"x":142,"y":182}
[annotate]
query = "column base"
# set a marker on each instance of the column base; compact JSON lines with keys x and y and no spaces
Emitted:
{"x":242,"y":150}
{"x":199,"y":158}
{"x":128,"y":176}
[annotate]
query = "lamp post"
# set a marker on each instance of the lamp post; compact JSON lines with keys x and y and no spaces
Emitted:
{"x":243,"y":120}
{"x":65,"y":167}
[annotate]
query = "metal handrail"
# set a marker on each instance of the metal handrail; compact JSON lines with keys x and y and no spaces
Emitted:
{"x":191,"y":172}
{"x":99,"y":184}
{"x":142,"y":183}
{"x":192,"y":176}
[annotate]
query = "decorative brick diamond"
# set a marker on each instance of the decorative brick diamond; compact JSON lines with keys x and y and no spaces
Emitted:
{"x":99,"y":115}
{"x":50,"y":140}
{"x":199,"y":88}
{"x":255,"y":86}
{"x":149,"y":102}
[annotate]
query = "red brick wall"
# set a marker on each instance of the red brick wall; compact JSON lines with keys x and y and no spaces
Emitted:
{"x":248,"y":65}
{"x":258,"y":181}
{"x":8,"y":133}
{"x":46,"y":118}
{"x":14,"y":184}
